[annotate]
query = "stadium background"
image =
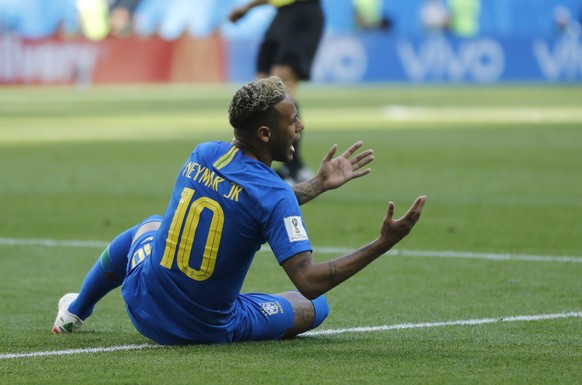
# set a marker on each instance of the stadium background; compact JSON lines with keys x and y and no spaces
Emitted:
{"x":43,"y":42}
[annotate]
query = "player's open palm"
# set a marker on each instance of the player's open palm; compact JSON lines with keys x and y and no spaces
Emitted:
{"x":337,"y":171}
{"x":394,"y":230}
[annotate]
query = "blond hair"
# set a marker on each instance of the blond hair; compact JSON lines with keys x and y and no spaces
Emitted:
{"x":254,"y":103}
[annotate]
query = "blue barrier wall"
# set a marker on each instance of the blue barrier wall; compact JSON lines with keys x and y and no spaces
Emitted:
{"x":377,"y":57}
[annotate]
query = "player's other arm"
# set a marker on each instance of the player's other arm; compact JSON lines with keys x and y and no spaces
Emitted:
{"x":314,"y":279}
{"x":334,"y":173}
{"x":239,"y":12}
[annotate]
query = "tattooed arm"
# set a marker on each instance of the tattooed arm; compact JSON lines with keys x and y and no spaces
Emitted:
{"x":333,"y":173}
{"x":314,"y":279}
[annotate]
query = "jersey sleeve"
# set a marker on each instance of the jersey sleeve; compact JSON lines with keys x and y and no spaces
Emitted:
{"x":285,"y":229}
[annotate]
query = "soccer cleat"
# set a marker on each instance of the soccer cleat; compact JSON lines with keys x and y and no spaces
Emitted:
{"x":66,"y":322}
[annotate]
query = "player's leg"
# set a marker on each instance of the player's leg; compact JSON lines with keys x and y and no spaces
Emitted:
{"x":265,"y":58}
{"x":107,"y":274}
{"x":277,"y":316}
{"x":288,"y":76}
{"x":307,"y":314}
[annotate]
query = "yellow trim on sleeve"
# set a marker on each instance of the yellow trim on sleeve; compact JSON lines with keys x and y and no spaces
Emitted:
{"x":281,"y":3}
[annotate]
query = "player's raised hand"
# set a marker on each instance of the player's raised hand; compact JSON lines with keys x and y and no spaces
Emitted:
{"x":237,"y":13}
{"x":394,"y":230}
{"x":336,"y":172}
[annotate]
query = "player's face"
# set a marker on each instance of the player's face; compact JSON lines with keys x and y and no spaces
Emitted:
{"x":287,"y":133}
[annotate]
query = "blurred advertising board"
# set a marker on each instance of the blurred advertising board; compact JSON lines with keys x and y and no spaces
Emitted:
{"x":360,"y":58}
{"x":110,"y":61}
{"x":386,"y":58}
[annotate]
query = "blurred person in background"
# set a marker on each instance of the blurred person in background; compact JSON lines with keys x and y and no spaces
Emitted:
{"x":435,"y":17}
{"x":121,"y":17}
{"x":566,"y":25}
{"x":102,"y":18}
{"x":287,"y":50}
{"x":94,"y":18}
{"x":465,"y":16}
{"x":370,"y":15}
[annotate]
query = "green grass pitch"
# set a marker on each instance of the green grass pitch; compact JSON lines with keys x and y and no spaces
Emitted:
{"x":500,"y":236}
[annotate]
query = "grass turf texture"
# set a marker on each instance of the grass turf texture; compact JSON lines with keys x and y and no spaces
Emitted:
{"x":501,"y":167}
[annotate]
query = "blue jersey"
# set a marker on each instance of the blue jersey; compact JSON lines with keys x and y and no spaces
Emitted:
{"x":224,"y":206}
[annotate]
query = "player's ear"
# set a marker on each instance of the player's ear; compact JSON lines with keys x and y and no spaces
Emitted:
{"x":264,"y":134}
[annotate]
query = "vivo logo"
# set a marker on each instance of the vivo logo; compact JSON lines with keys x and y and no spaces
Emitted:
{"x":437,"y":59}
{"x":562,"y":61}
{"x":342,"y":59}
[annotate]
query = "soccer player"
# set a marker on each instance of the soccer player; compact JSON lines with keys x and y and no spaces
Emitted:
{"x":181,"y":274}
{"x":287,"y":50}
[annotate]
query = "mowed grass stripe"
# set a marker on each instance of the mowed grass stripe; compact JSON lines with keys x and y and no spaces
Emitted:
{"x":484,"y":114}
{"x":155,"y":124}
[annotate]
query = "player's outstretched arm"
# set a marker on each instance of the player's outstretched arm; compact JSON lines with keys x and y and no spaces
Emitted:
{"x":239,"y":12}
{"x":314,"y":279}
{"x":335,"y":172}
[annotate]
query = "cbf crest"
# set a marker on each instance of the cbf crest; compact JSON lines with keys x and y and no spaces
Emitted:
{"x":271,"y":308}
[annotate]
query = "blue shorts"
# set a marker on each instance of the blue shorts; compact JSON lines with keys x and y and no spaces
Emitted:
{"x":263,"y":317}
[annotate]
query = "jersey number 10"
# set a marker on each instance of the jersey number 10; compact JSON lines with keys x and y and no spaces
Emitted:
{"x":181,"y":235}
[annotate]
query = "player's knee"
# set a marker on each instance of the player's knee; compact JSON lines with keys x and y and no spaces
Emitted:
{"x":151,"y":223}
{"x":321,"y":308}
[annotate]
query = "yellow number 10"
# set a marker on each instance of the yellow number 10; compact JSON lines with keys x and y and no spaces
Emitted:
{"x":181,"y":246}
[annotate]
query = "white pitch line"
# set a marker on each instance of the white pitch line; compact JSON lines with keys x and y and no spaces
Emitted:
{"x":487,"y":256}
{"x":325,"y":250}
{"x":324,"y":332}
{"x":51,"y":242}
{"x":483,"y":321}
{"x":79,"y":351}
